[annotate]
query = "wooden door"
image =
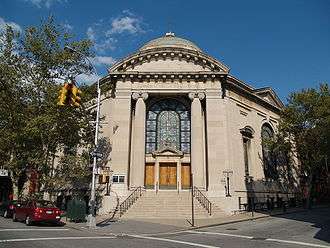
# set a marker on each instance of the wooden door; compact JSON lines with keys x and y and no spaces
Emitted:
{"x":167,"y":176}
{"x":185,"y":176}
{"x":172,"y":176}
{"x":162,"y":175}
{"x":150,"y":176}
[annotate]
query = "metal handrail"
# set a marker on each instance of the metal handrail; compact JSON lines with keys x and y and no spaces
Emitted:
{"x":202,"y":199}
{"x":125,"y":205}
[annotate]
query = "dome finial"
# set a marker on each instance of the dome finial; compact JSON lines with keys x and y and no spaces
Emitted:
{"x":169,"y":34}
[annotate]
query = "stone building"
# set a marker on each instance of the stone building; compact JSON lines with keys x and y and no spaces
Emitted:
{"x":177,"y":111}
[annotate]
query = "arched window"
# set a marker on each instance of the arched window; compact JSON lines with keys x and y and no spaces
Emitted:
{"x":168,"y":133}
{"x":247,"y":134}
{"x":168,"y":125}
{"x":269,"y":161}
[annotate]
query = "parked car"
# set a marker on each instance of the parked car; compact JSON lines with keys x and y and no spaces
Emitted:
{"x":37,"y":211}
{"x":7,"y":208}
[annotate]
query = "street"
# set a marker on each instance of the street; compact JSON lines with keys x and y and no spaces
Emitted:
{"x":303,"y":229}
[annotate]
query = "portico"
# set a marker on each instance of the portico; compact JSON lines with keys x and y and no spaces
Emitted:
{"x":168,"y":131}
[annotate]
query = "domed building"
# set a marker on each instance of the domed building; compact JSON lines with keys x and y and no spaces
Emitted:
{"x":177,"y":118}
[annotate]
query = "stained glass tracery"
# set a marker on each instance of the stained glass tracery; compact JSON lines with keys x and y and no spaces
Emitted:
{"x":168,"y":125}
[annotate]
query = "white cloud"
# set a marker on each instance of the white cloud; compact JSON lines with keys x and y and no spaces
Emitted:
{"x":125,"y":24}
{"x":103,"y":60}
{"x":67,"y":26}
{"x":87,"y":79}
{"x":105,"y":38}
{"x":91,"y":34}
{"x":45,"y":3}
{"x":14,"y":25}
{"x":102,"y":43}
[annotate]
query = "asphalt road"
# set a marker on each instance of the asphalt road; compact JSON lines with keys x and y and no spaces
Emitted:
{"x":304,"y":229}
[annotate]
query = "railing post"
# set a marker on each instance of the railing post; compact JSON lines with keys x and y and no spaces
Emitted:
{"x":239,"y":203}
{"x":157,"y":187}
{"x":192,"y":201}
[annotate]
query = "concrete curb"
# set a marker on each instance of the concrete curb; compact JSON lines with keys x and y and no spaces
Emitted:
{"x":257,"y":217}
{"x":101,"y":230}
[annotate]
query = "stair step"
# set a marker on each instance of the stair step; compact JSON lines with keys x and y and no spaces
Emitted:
{"x":167,"y":205}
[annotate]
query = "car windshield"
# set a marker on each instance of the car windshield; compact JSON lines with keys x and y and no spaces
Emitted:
{"x":44,"y":204}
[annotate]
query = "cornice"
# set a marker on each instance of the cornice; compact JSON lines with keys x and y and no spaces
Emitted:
{"x":248,"y":92}
{"x":135,"y":76}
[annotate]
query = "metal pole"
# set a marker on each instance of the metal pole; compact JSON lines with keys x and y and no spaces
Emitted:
{"x":91,"y":217}
{"x":228,"y":194}
{"x":92,"y":212}
{"x":192,"y":201}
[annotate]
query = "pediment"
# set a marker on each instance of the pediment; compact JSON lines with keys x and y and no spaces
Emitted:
{"x":167,"y":152}
{"x":169,"y":60}
{"x":270,"y":96}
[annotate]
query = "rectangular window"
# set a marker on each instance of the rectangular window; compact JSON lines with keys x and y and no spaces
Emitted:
{"x":118,"y":179}
{"x":121,"y":179}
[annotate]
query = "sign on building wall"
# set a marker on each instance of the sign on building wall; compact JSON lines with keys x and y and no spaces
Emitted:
{"x":3,"y":173}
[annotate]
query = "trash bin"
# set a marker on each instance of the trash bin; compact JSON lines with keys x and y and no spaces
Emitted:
{"x":76,"y":210}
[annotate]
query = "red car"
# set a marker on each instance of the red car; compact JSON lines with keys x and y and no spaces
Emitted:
{"x":37,"y":211}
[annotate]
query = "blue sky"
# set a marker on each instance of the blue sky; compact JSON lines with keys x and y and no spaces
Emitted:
{"x":281,"y":44}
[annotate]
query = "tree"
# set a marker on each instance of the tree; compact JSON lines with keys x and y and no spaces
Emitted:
{"x":304,"y":133}
{"x":33,"y":128}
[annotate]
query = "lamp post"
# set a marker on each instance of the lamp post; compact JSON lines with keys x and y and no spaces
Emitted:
{"x":227,"y":173}
{"x":91,"y":216}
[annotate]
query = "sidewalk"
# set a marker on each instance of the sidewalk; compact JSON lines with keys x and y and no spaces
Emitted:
{"x":157,"y":226}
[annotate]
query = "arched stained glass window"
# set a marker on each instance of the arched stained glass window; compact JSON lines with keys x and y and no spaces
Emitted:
{"x":168,"y":125}
{"x":269,"y":161}
{"x":168,"y":133}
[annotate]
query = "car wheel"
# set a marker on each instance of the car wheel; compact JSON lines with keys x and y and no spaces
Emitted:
{"x":28,"y":221}
{"x":5,"y":214}
{"x":14,"y":217}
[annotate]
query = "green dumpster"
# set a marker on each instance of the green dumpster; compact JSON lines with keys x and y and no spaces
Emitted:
{"x":76,"y":210}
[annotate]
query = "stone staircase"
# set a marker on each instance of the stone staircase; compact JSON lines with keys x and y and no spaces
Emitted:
{"x":168,"y":205}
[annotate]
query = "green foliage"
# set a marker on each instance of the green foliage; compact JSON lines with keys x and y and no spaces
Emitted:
{"x":304,"y":133}
{"x":33,"y":128}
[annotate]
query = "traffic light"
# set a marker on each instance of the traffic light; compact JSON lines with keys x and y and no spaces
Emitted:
{"x":69,"y":95}
{"x":75,"y":96}
{"x":64,"y":96}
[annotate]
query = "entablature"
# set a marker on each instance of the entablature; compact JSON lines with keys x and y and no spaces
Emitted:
{"x":134,"y":76}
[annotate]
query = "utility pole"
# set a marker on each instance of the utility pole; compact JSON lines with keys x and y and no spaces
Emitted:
{"x":92,"y":210}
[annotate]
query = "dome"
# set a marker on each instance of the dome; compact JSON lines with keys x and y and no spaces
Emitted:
{"x":170,"y":40}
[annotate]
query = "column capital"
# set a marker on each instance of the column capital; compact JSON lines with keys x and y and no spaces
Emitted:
{"x":199,"y":95}
{"x":137,"y":95}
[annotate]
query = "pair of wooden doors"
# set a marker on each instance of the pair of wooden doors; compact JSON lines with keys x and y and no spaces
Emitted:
{"x":167,"y":175}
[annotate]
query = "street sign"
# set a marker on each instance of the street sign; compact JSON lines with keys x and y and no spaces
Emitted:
{"x":97,"y":154}
{"x":3,"y":173}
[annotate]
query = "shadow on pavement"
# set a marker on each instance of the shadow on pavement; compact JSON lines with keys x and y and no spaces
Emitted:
{"x":319,"y":217}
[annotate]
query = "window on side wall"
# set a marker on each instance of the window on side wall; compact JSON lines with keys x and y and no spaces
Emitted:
{"x":118,"y":179}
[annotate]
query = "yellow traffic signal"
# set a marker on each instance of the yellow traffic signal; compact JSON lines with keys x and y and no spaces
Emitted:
{"x":69,"y":95}
{"x":75,"y":96}
{"x":64,"y":94}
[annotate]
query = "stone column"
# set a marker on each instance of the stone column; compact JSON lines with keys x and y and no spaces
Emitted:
{"x":197,"y":146}
{"x":138,"y":158}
